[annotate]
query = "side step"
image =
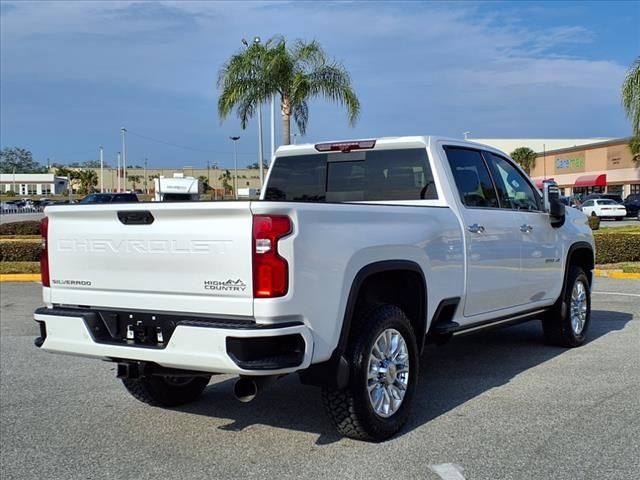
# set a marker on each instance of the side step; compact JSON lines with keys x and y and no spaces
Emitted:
{"x":445,"y":328}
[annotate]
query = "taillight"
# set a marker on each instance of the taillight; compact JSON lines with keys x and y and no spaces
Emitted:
{"x":270,"y":270}
{"x":345,"y":146}
{"x":44,"y":254}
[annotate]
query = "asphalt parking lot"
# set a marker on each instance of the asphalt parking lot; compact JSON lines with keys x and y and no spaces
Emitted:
{"x":497,"y":405}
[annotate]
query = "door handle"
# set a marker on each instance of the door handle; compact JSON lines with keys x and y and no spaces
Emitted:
{"x":524,"y":228}
{"x":475,"y":228}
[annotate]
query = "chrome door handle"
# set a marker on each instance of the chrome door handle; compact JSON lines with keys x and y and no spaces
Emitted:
{"x":475,"y":228}
{"x":524,"y":228}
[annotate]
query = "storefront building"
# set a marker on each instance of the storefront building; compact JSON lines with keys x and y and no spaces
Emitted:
{"x":603,"y":167}
{"x":28,"y":184}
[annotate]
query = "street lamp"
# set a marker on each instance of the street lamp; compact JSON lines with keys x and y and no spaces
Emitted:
{"x":256,"y":41}
{"x":235,"y":163}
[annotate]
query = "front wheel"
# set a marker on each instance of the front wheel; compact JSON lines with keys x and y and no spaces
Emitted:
{"x":383,"y":357}
{"x":566,"y":323}
{"x":166,"y":391}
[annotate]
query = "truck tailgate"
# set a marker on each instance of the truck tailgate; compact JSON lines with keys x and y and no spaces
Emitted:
{"x":181,"y":257}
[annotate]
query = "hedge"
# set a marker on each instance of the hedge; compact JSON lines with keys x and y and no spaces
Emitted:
{"x":19,"y":267}
{"x":615,"y":247}
{"x":594,"y":222}
{"x":611,"y":247}
{"x":20,"y":250}
{"x":29,"y":227}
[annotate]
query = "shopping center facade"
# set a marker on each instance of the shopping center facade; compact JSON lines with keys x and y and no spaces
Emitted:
{"x":580,"y":166}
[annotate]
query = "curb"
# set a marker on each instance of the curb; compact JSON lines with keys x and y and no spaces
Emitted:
{"x":20,"y":277}
{"x":616,"y":274}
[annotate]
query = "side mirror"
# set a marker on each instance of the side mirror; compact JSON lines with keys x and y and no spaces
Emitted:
{"x":552,"y":203}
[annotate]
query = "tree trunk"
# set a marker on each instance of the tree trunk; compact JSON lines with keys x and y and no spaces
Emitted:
{"x":285,"y":111}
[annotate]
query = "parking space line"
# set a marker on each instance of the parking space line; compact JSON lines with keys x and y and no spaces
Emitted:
{"x":447,"y":471}
{"x":618,"y":293}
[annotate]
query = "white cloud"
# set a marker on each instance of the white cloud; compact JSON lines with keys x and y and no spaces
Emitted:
{"x":406,"y":59}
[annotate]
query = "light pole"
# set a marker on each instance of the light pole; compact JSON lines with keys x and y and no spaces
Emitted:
{"x":146,"y":190}
{"x":118,"y":172}
{"x":256,"y":42}
{"x":235,"y":163}
{"x":101,"y":170}
{"x":123,"y":131}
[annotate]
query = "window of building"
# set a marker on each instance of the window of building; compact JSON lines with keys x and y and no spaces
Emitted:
{"x":614,"y":189}
{"x":46,"y":189}
{"x":32,"y":189}
{"x":635,"y":188}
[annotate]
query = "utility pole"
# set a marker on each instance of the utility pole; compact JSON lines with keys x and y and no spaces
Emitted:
{"x":145,"y":176}
{"x":235,"y":162}
{"x":118,"y":172}
{"x":123,"y":131}
{"x":101,"y":170}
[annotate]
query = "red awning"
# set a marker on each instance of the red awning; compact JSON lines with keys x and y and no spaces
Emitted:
{"x":540,"y":182}
{"x":591,"y":181}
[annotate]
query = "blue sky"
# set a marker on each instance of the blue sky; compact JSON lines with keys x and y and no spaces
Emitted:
{"x":73,"y":73}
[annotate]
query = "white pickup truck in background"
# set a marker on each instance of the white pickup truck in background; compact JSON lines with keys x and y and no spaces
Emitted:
{"x":357,"y":255}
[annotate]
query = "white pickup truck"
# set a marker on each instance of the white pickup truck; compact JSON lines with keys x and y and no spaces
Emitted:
{"x":357,"y":254}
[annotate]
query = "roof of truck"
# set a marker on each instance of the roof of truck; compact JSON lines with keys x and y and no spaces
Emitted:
{"x":286,"y":150}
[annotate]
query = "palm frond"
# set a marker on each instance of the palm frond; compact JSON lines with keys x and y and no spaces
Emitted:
{"x":631,"y":95}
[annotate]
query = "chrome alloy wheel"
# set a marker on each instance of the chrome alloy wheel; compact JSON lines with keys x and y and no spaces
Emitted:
{"x":578,"y":307}
{"x":388,"y":372}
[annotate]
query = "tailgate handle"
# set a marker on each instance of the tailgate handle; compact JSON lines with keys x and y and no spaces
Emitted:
{"x":136,"y":217}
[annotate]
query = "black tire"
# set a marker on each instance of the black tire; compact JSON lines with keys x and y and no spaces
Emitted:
{"x":557,"y":324}
{"x":161,"y":391}
{"x":351,"y":409}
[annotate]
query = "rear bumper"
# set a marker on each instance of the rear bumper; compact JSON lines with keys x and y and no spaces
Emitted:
{"x":261,"y":350}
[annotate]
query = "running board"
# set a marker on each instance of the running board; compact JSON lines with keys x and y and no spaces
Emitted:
{"x":498,"y":322}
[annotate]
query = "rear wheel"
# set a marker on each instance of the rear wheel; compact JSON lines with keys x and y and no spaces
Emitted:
{"x":566,"y":323}
{"x":166,"y":391}
{"x":383,"y":357}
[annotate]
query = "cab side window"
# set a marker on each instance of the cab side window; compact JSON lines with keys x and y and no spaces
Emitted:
{"x":472,"y":178}
{"x":514,"y":191}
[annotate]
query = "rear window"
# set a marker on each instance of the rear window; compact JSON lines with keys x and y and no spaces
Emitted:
{"x":377,"y":175}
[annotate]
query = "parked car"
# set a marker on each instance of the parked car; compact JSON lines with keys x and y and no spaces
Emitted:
{"x":110,"y":198}
{"x":357,"y":255}
{"x":632,"y":204}
{"x":604,"y":208}
{"x":608,"y":196}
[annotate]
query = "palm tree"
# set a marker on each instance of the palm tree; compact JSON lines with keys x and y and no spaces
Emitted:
{"x":525,"y":157}
{"x":631,"y":103}
{"x":225,"y":178}
{"x":204,"y":180}
{"x":295,"y":74}
{"x":88,"y":180}
{"x":134,"y":179}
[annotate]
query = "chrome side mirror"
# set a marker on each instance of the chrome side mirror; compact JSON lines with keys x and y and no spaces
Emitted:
{"x":552,"y":203}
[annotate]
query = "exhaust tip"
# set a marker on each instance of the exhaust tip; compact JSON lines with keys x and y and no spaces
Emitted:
{"x":245,"y":390}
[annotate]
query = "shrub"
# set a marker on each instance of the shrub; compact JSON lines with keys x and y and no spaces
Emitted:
{"x":20,"y":251}
{"x":594,"y":222}
{"x":19,"y":267}
{"x":615,"y":247}
{"x":29,"y":227}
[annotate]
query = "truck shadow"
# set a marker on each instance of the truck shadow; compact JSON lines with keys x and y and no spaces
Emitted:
{"x":450,"y":376}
